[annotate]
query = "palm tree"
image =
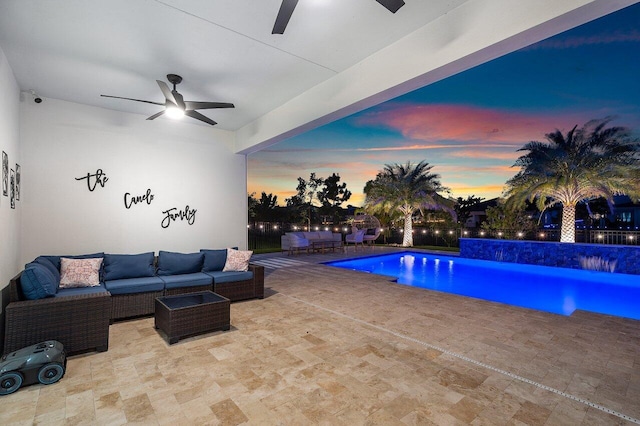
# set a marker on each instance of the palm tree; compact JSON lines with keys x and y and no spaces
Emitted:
{"x":587,"y":163}
{"x":406,"y":189}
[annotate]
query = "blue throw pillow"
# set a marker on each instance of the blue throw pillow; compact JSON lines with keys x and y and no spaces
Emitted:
{"x":170,"y":263}
{"x":214,"y":260}
{"x":37,"y":282}
{"x":50,"y":266}
{"x":120,"y":266}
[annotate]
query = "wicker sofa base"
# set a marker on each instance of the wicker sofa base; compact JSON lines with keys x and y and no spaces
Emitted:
{"x":80,"y":323}
{"x":243,"y":290}
{"x":185,"y":290}
{"x":133,"y":305}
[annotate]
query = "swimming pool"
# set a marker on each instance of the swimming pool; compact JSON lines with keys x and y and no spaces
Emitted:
{"x":557,"y":290}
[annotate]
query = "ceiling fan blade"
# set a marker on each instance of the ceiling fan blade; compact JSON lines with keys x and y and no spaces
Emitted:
{"x":392,"y":5}
{"x":166,"y":92}
{"x":131,"y":99}
{"x":198,"y":116}
{"x":286,"y":9}
{"x":179,"y":99}
{"x":154,"y":116}
{"x":207,"y":105}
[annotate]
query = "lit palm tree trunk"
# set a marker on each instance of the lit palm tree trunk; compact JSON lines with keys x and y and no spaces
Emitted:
{"x":407,"y":239}
{"x":568,"y":227}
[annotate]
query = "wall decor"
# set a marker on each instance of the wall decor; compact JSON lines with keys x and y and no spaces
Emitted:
{"x":5,"y":174}
{"x":12,"y":189}
{"x":130,"y":200}
{"x":95,"y":179}
{"x":174,"y":214}
{"x":18,"y":173}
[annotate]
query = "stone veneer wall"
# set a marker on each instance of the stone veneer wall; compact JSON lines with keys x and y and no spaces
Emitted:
{"x":564,"y":255}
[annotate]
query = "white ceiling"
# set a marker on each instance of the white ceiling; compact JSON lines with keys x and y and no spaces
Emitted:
{"x":75,"y":50}
{"x":336,"y":56}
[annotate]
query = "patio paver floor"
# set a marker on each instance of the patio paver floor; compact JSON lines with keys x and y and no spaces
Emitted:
{"x":331,"y":346}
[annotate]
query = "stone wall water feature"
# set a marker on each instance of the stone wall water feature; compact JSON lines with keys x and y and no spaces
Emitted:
{"x":625,"y":259}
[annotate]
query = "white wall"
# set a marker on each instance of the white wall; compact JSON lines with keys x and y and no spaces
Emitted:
{"x":182,"y":163}
{"x":9,"y":143}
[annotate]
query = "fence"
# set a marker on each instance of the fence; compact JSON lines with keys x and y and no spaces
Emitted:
{"x":266,"y":235}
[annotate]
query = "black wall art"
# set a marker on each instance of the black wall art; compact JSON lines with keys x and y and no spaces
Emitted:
{"x":174,"y":214}
{"x":99,"y":179}
{"x":12,"y":189}
{"x":95,"y":179}
{"x":130,"y":200}
{"x":18,"y":173}
{"x":5,"y":174}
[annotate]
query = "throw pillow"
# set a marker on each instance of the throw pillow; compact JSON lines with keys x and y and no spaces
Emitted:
{"x":79,"y":272}
{"x":37,"y":282}
{"x":50,"y":266}
{"x":237,"y":260}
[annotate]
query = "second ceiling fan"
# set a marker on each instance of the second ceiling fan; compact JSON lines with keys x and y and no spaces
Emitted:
{"x":287,"y":7}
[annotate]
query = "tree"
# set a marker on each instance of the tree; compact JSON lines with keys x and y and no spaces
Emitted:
{"x":585,"y":164}
{"x":307,"y":192}
{"x":333,"y":195}
{"x":509,"y":221}
{"x":464,"y":207}
{"x":265,"y":207}
{"x":295,"y":209}
{"x":251,"y":205}
{"x":406,"y":189}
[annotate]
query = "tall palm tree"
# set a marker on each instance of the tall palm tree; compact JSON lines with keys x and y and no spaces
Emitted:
{"x":587,"y":163}
{"x":406,"y":189}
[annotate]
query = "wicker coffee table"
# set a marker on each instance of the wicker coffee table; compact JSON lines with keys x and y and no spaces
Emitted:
{"x":189,"y":314}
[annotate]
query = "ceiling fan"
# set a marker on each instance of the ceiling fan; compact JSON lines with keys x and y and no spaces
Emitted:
{"x":287,"y":7}
{"x":175,"y":105}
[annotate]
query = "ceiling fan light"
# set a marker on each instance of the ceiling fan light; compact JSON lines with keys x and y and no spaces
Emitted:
{"x":174,"y":112}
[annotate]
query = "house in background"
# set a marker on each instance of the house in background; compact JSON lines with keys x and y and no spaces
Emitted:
{"x":83,"y":157}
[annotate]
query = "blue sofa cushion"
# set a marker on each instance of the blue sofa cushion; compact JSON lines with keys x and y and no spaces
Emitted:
{"x":171,"y":263}
{"x":220,"y":277}
{"x":214,"y":260}
{"x":37,"y":282}
{"x":134,"y":285}
{"x":74,"y":291}
{"x":55,"y":260}
{"x":50,"y":266}
{"x":119,"y":266}
{"x":186,"y":280}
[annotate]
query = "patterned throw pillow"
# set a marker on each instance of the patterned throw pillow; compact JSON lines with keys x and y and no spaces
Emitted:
{"x":237,"y":260}
{"x":79,"y":272}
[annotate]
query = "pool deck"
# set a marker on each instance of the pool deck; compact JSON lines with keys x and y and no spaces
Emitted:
{"x":339,"y":347}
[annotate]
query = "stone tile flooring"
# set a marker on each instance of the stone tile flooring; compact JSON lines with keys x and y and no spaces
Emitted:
{"x":336,"y":347}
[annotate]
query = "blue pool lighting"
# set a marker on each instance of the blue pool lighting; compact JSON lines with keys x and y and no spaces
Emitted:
{"x":556,"y":290}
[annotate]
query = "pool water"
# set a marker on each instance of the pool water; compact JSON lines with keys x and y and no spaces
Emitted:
{"x":557,"y":290}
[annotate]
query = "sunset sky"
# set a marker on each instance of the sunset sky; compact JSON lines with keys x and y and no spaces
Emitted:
{"x":469,"y":126}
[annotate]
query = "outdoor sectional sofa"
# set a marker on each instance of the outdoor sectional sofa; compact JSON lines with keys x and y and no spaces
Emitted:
{"x":297,"y":240}
{"x":80,"y":317}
